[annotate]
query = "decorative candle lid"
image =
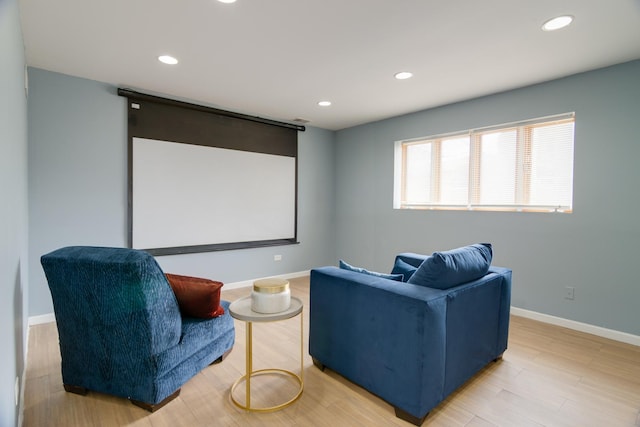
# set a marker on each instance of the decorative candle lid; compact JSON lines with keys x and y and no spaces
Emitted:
{"x":270,"y":286}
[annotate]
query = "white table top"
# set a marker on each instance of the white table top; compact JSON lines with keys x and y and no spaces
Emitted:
{"x":241,"y":309}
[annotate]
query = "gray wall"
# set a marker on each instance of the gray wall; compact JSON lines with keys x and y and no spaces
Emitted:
{"x":13,"y":209}
{"x":594,"y":249}
{"x":77,"y":195}
{"x":78,"y":188}
{"x":77,"y":170}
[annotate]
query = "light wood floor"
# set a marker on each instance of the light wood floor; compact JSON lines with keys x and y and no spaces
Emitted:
{"x":550,"y":376}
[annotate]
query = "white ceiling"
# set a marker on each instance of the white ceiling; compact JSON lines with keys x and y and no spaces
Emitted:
{"x":278,"y":58}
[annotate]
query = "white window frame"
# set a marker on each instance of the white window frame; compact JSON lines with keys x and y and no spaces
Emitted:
{"x":522,"y":173}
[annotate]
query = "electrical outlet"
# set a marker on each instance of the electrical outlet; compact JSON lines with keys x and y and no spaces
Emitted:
{"x":569,"y":292}
{"x":277,"y":257}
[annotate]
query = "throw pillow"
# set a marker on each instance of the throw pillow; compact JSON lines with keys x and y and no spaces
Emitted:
{"x":396,"y":277}
{"x":197,"y":297}
{"x":446,"y":269}
{"x":407,"y":270}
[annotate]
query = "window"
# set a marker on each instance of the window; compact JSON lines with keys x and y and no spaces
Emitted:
{"x":525,"y":166}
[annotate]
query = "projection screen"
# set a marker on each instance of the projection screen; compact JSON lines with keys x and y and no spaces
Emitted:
{"x":202,"y":179}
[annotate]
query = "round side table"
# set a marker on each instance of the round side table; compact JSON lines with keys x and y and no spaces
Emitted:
{"x":241,"y":309}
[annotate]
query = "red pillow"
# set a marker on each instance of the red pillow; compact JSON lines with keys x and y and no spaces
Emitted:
{"x":197,"y":297}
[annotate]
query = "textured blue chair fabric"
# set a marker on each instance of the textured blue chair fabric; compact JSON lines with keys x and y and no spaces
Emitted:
{"x":120,"y":328}
{"x":411,"y":345}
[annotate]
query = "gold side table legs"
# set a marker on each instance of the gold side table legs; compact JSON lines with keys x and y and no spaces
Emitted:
{"x":250,"y":373}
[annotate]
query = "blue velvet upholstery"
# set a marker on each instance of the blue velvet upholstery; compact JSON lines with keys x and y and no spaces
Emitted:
{"x":343,"y":265}
{"x":401,"y":267}
{"x":120,"y":328}
{"x":443,"y":270}
{"x":411,"y":345}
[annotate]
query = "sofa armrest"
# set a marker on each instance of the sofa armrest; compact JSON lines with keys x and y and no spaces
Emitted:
{"x":505,"y":305}
{"x":384,"y":335}
{"x":477,"y":325}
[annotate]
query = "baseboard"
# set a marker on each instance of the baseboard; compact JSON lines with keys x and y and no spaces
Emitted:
{"x":43,"y":318}
{"x":578,"y":326}
{"x":247,"y":283}
{"x":50,"y":317}
{"x":545,"y":318}
{"x":23,"y":381}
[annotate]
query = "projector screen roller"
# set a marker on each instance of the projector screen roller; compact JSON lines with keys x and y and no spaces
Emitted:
{"x":188,"y":195}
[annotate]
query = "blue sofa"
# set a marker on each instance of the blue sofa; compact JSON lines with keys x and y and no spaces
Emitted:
{"x":409,"y":344}
{"x":120,"y":327}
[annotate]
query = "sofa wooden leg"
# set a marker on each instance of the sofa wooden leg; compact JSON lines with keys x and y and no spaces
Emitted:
{"x":318,"y":364}
{"x":151,"y":407}
{"x":403,"y":415}
{"x":76,"y":389}
{"x":221,"y":358}
{"x":497,"y":359}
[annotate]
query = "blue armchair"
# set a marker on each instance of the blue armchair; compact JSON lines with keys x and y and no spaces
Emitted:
{"x":411,"y":342}
{"x":120,"y":327}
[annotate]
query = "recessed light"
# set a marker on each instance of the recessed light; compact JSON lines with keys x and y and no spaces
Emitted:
{"x":166,"y":59}
{"x":227,"y":1}
{"x":403,"y":75}
{"x":557,"y":23}
{"x":324,"y":103}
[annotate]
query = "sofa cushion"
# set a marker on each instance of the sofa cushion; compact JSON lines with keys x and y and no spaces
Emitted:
{"x":197,"y":297}
{"x":396,"y":277}
{"x":407,"y":270}
{"x":446,"y":269}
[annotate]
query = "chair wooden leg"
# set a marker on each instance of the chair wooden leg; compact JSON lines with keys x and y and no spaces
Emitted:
{"x":318,"y":364}
{"x":151,"y":407}
{"x":76,"y":389}
{"x":403,"y":415}
{"x":221,"y":358}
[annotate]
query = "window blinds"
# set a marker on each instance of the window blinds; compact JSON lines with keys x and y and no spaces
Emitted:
{"x":526,"y":165}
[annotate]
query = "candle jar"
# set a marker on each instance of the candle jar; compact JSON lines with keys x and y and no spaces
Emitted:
{"x":270,"y":296}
